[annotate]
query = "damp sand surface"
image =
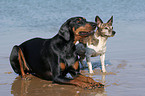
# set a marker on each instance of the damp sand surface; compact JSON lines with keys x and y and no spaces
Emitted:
{"x":122,"y":78}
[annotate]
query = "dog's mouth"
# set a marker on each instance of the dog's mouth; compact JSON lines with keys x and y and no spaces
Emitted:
{"x":83,"y":33}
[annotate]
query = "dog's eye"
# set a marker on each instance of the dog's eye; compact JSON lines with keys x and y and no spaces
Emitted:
{"x":78,"y":21}
{"x":106,"y":27}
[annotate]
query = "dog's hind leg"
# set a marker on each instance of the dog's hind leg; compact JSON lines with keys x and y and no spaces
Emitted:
{"x":17,"y":61}
{"x":102,"y":58}
{"x":21,"y":65}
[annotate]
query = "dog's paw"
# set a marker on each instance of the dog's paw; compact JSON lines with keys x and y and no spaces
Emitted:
{"x":92,"y":86}
{"x":86,"y":86}
{"x":99,"y":85}
{"x":104,"y":71}
{"x":27,"y":77}
{"x":91,"y":72}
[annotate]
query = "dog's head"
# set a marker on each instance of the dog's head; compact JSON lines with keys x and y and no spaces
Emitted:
{"x":105,"y":29}
{"x":76,"y":28}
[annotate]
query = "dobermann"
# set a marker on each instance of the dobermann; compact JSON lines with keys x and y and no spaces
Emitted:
{"x":52,"y":59}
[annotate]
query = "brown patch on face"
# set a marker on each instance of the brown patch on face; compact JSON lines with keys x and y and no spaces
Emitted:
{"x":80,"y":18}
{"x":85,"y":29}
{"x":76,"y":65}
{"x":62,"y":66}
{"x":84,"y":18}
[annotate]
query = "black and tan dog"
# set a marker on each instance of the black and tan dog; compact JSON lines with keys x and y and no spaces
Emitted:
{"x":52,"y":59}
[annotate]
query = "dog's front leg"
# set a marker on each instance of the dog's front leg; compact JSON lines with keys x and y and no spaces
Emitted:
{"x":88,"y":59}
{"x":59,"y":77}
{"x":89,"y":80}
{"x":81,"y":61}
{"x":102,"y":58}
{"x":82,"y":81}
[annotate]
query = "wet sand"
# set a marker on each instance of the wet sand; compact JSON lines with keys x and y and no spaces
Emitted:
{"x":122,"y":78}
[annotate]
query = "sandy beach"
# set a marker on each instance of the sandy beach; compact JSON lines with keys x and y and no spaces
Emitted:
{"x":123,"y":78}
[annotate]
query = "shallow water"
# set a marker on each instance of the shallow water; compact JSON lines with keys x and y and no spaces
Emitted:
{"x":22,"y":20}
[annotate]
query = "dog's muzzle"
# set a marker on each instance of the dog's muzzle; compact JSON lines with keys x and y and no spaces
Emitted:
{"x":113,"y":33}
{"x":83,"y":33}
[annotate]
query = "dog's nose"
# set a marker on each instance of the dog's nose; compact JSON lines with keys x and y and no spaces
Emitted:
{"x":113,"y":32}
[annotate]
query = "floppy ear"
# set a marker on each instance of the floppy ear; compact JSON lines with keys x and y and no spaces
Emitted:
{"x":64,"y":31}
{"x":98,"y":21}
{"x":110,"y":21}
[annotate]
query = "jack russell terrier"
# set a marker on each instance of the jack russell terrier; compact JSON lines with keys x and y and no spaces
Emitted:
{"x":95,"y":44}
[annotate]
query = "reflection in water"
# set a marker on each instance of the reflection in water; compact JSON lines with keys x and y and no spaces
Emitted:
{"x":103,"y":79}
{"x":103,"y":76}
{"x":36,"y":86}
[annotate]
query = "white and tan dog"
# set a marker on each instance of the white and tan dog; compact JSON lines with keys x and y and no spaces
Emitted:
{"x":95,"y":44}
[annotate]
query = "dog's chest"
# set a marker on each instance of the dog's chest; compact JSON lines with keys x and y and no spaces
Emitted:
{"x":99,"y":48}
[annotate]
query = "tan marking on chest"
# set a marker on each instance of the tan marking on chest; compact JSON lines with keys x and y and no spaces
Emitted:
{"x":62,"y":66}
{"x":76,"y":65}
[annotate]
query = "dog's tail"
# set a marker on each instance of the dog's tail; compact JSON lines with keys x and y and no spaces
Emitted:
{"x":18,"y":61}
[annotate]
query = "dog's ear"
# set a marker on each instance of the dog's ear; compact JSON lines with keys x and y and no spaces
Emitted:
{"x":110,"y":21}
{"x":65,"y":31}
{"x":98,"y":21}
